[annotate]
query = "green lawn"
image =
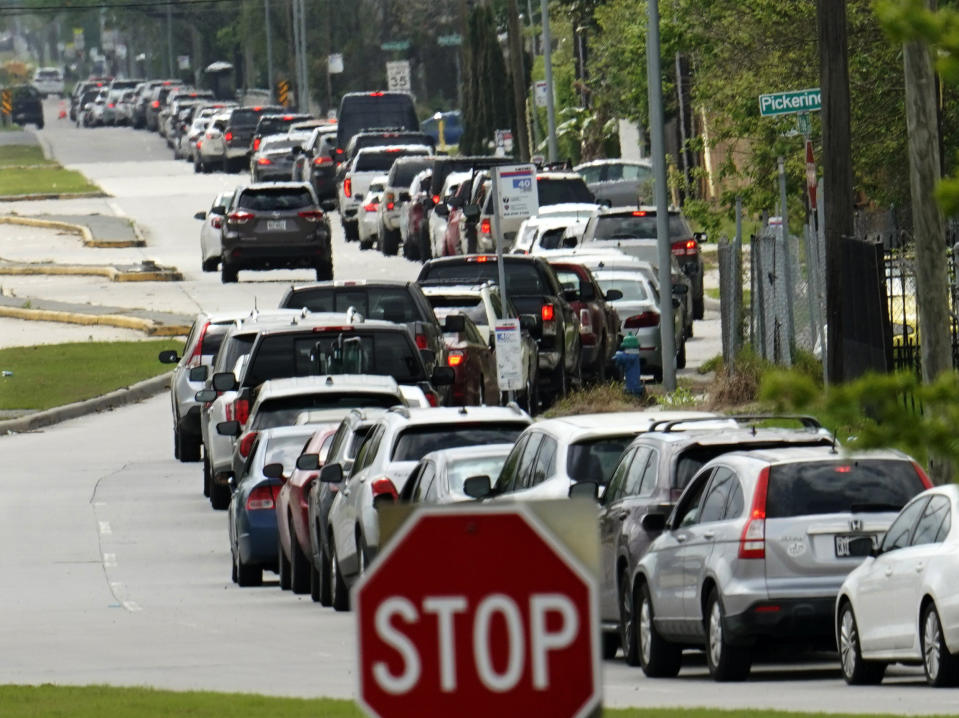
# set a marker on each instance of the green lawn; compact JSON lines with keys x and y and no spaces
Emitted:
{"x":56,"y":374}
{"x":22,"y":155}
{"x":49,"y":179}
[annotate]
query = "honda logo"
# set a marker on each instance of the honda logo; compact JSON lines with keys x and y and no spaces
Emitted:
{"x":855,"y":525}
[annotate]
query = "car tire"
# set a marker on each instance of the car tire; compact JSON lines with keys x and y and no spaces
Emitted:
{"x":206,"y":475}
{"x":246,"y":574}
{"x":425,"y":251}
{"x":941,"y":666}
{"x":855,"y":670}
{"x":324,"y":271}
{"x":228,"y":273}
{"x":726,"y":662}
{"x":210,"y":265}
{"x":681,"y":355}
{"x":657,"y":376}
{"x":532,"y":394}
{"x":219,"y":495}
{"x":283,"y":566}
{"x":326,"y":595}
{"x":351,"y":231}
{"x":658,"y":657}
{"x":390,"y":241}
{"x":176,"y":444}
{"x":338,"y":592}
{"x":627,"y":621}
{"x":699,"y":303}
{"x":299,"y":565}
{"x":189,"y":447}
{"x":610,"y":645}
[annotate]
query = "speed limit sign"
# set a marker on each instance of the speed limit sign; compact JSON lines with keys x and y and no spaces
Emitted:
{"x":398,"y":76}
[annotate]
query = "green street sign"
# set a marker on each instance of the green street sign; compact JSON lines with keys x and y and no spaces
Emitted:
{"x":396,"y":45}
{"x":785,"y":103}
{"x":449,"y":40}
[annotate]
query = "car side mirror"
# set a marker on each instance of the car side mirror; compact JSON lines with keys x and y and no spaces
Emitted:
{"x":699,"y":237}
{"x":168,"y":357}
{"x":224,"y":381}
{"x":328,"y":205}
{"x":454,"y":323}
{"x":442,"y":376}
{"x":205,"y":396}
{"x":653,"y":522}
{"x":471,"y":212}
{"x":308,"y":462}
{"x":442,"y":210}
{"x":228,"y":428}
{"x":570,"y":295}
{"x":331,"y":474}
{"x":613,"y":294}
{"x":219,"y":209}
{"x":274,"y":471}
{"x":199,"y":373}
{"x":607,"y":203}
{"x":680,"y":288}
{"x":677,"y":302}
{"x":296,"y":150}
{"x":529,"y":322}
{"x":199,"y":215}
{"x":875,"y":550}
{"x":584,"y":490}
{"x":477,"y":487}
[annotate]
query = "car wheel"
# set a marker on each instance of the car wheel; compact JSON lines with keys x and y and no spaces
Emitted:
{"x":189,"y":447}
{"x":299,"y":565}
{"x":610,"y":645}
{"x":211,"y":264}
{"x":338,"y":591}
{"x":855,"y":671}
{"x":681,"y":355}
{"x":599,"y":374}
{"x":941,"y":666}
{"x":658,"y":657}
{"x":246,"y":574}
{"x":351,"y":231}
{"x":324,"y":271}
{"x":283,"y":565}
{"x":425,"y":253}
{"x":233,"y":569}
{"x":699,"y":303}
{"x":726,"y":662}
{"x":228,"y":273}
{"x":391,"y":242}
{"x":627,"y":621}
{"x":219,"y":495}
{"x":326,"y":595}
{"x":206,"y":475}
{"x":657,"y":376}
{"x":532,"y":394}
{"x":176,"y":444}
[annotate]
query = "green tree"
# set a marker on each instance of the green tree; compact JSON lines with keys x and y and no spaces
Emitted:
{"x":487,"y":96}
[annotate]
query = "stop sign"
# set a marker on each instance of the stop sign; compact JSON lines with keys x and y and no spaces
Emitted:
{"x":477,"y":612}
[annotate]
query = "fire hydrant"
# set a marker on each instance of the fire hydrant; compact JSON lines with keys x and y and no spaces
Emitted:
{"x":628,"y":362}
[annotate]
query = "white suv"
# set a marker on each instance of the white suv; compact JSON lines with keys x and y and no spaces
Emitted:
{"x":48,"y":81}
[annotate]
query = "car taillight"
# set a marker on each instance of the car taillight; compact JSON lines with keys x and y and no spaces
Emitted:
{"x":322,"y":160}
{"x":370,"y":207}
{"x":264,"y":161}
{"x":390,"y":198}
{"x":548,"y":313}
{"x":585,"y":321}
{"x":198,"y":348}
{"x":246,"y":443}
{"x":348,"y":187}
{"x":752,"y":543}
{"x":262,"y":498}
{"x":216,"y":223}
{"x":375,"y":94}
{"x":156,"y":104}
{"x":421,"y":342}
{"x":240,"y":217}
{"x":486,"y":227}
{"x":436,"y":199}
{"x":241,"y":410}
{"x":383,"y":486}
{"x":311,"y":215}
{"x":922,"y":475}
{"x":646,"y":319}
{"x":639,"y":213}
{"x":228,"y":136}
{"x":455,"y":358}
{"x":256,"y":143}
{"x":199,"y":144}
{"x":685,"y":248}
{"x":432,"y":398}
{"x":111,"y":105}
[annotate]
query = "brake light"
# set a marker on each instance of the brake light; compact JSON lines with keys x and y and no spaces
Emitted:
{"x":311,"y":215}
{"x":376,"y":94}
{"x":241,"y":410}
{"x":256,"y":143}
{"x":371,"y":207}
{"x":262,"y":498}
{"x":922,"y":475}
{"x":216,"y":223}
{"x":639,"y":213}
{"x":322,"y":160}
{"x":482,"y":258}
{"x":436,"y":199}
{"x":432,"y":398}
{"x":264,"y":161}
{"x":455,"y":358}
{"x":228,"y":136}
{"x":585,"y":321}
{"x":547,"y":312}
{"x":288,"y":118}
{"x":390,"y":200}
{"x":421,"y":342}
{"x":257,"y":108}
{"x":752,"y":543}
{"x":240,"y":217}
{"x":111,"y":105}
{"x":199,"y":144}
{"x":156,"y":104}
{"x":198,"y":348}
{"x":646,"y":319}
{"x":348,"y":187}
{"x":246,"y":443}
{"x":486,"y":226}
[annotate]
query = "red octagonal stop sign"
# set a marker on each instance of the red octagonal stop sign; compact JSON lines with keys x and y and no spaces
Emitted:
{"x":477,"y":613}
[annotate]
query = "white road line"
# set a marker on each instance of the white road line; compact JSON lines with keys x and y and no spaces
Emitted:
{"x":105,"y":528}
{"x":109,"y":560}
{"x":132,"y":606}
{"x":116,"y":208}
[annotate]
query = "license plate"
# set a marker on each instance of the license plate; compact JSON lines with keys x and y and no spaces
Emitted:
{"x":276,"y":225}
{"x":854,"y":545}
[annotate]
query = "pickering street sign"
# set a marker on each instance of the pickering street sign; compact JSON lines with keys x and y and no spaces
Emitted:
{"x":785,"y":103}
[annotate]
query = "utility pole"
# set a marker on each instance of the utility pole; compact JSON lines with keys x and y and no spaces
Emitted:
{"x":548,"y":63}
{"x":837,"y":170}
{"x":169,"y":39}
{"x":519,"y":79}
{"x":269,"y":49}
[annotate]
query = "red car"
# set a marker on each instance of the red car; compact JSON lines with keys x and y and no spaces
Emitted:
{"x":472,"y":361}
{"x":292,"y":516}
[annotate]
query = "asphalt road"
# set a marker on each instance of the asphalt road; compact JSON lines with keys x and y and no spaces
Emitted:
{"x":116,"y":571}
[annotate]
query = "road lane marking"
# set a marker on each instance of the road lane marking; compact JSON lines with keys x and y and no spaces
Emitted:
{"x":105,"y":528}
{"x":109,"y":560}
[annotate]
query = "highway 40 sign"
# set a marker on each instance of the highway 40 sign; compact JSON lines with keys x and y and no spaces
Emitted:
{"x":477,"y":612}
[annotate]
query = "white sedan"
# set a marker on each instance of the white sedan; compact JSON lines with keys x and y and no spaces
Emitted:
{"x":902,"y":603}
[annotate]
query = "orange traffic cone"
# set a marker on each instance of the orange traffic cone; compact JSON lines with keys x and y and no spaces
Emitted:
{"x":62,"y":114}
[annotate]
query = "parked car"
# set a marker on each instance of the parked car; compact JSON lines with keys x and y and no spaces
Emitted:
{"x":632,"y":230}
{"x":900,"y":603}
{"x":756,"y":550}
{"x":619,"y":182}
{"x":384,"y":138}
{"x":227,"y":141}
{"x":400,"y":438}
{"x":48,"y":81}
{"x":251,"y":516}
{"x":438,"y":218}
{"x":211,"y":247}
{"x":555,"y":227}
{"x":441,"y":475}
{"x":27,"y":106}
{"x":273,"y":160}
{"x":276,"y":225}
{"x":452,"y":127}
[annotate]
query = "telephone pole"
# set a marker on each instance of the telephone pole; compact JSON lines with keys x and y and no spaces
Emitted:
{"x":519,"y":79}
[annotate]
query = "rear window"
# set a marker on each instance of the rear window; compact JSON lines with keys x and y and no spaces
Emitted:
{"x":404,"y":172}
{"x":283,"y":411}
{"x":838,"y":486}
{"x":417,"y":441}
{"x":392,"y":304}
{"x":284,"y":450}
{"x":595,"y":460}
{"x":212,"y":341}
{"x":244,"y":118}
{"x":278,"y":143}
{"x":521,"y":278}
{"x":374,"y":112}
{"x":458,"y":472}
{"x":559,"y":191}
{"x":634,"y":290}
{"x":270,"y":199}
{"x":379,"y":161}
{"x":238,"y":346}
{"x":272,"y":125}
{"x":48,"y":74}
{"x":471,"y":306}
{"x":629,"y":226}
{"x":386,"y":353}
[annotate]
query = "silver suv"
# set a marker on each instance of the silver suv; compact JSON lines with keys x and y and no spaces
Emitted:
{"x":756,"y":550}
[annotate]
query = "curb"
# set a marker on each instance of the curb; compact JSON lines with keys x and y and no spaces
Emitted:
{"x":63,"y":195}
{"x":84,"y":232}
{"x":120,"y":397}
{"x":79,"y":270}
{"x":147,"y":326}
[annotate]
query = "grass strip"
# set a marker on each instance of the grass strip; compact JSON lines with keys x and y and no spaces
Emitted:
{"x":22,"y":178}
{"x":52,"y":375}
{"x":13,"y":155}
{"x":48,"y":700}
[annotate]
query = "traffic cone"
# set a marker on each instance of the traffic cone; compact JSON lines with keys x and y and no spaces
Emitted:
{"x":62,"y":114}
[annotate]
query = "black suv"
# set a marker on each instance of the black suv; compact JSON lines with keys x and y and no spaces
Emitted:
{"x":27,"y":106}
{"x":273,"y":125}
{"x":276,"y":225}
{"x":534,"y":290}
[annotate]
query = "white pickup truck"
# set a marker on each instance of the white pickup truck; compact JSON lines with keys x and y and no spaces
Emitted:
{"x":48,"y":81}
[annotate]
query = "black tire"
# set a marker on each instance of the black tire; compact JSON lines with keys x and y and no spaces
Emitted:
{"x":324,"y":271}
{"x":531,"y":399}
{"x":391,"y":242}
{"x":425,"y":251}
{"x":219,"y":495}
{"x":206,"y":475}
{"x":610,"y":645}
{"x":658,"y":657}
{"x":351,"y":231}
{"x":726,"y":662}
{"x":627,"y":621}
{"x":699,"y":303}
{"x":657,"y":376}
{"x":366,"y":244}
{"x":339,"y":595}
{"x":246,"y":574}
{"x":941,"y":666}
{"x":228,"y":273}
{"x":210,"y":265}
{"x":855,"y":670}
{"x":176,"y":444}
{"x":316,"y":584}
{"x":326,"y":594}
{"x":299,"y":565}
{"x":225,"y":165}
{"x":599,"y":373}
{"x":283,"y":566}
{"x":189,"y":447}
{"x":681,"y":355}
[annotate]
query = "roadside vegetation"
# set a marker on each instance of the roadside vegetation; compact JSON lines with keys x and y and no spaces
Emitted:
{"x":41,"y":377}
{"x":26,"y":172}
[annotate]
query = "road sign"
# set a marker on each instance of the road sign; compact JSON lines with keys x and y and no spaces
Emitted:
{"x":803,"y":123}
{"x":477,"y":612}
{"x":509,"y":354}
{"x":6,"y":103}
{"x":539,"y":93}
{"x":398,"y":76}
{"x":452,"y":40}
{"x":516,"y":191}
{"x":395,"y":45}
{"x":334,"y":63}
{"x":282,"y":91}
{"x":785,"y":103}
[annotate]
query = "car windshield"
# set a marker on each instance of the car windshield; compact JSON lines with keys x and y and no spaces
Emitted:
{"x":595,"y":459}
{"x":393,"y":304}
{"x":561,"y":191}
{"x":457,"y":472}
{"x":838,"y":485}
{"x":417,"y":441}
{"x":273,"y":199}
{"x":282,"y":411}
{"x":522,"y":278}
{"x":386,"y":353}
{"x":637,"y":225}
{"x":633,"y":289}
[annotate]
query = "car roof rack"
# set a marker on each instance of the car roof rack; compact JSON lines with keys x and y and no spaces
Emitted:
{"x":667,"y":425}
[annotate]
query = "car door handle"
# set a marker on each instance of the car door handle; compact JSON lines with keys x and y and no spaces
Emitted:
{"x":622,"y":515}
{"x":681,"y":538}
{"x":709,"y":535}
{"x":920,"y":566}
{"x":889,"y":570}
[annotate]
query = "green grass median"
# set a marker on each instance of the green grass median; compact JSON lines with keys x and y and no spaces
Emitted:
{"x":26,"y":172}
{"x":99,"y":701}
{"x":49,"y":375}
